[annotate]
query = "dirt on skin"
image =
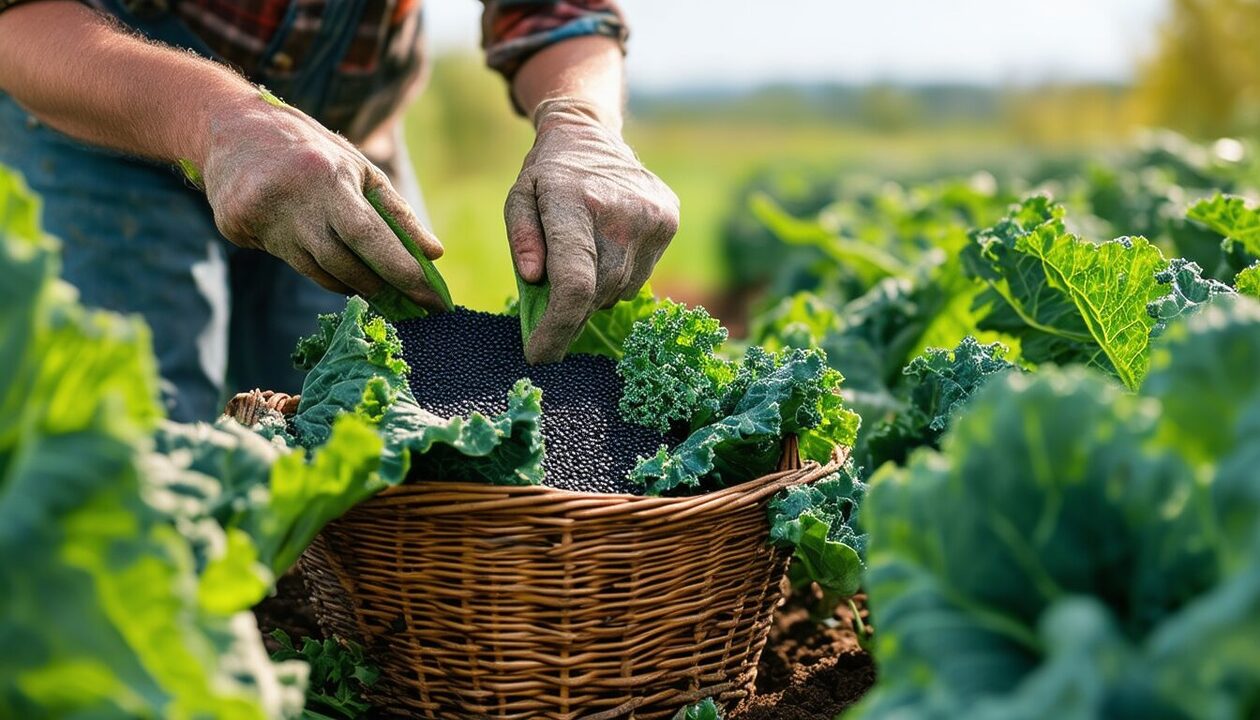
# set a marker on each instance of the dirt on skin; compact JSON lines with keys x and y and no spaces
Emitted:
{"x":809,"y":671}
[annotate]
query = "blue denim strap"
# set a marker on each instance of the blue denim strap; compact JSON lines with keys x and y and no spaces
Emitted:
{"x":308,"y":90}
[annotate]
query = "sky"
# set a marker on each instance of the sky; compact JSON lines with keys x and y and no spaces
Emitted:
{"x":681,"y":44}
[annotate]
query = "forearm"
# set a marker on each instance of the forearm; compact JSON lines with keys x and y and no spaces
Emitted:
{"x":590,"y":69}
{"x":84,"y":76}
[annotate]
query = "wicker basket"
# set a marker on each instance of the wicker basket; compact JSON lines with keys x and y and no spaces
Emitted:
{"x":479,"y":601}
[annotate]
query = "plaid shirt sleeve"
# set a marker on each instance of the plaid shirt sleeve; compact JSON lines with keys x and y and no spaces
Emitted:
{"x":513,"y":30}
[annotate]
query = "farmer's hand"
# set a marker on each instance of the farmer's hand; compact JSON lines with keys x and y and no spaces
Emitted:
{"x":279,"y":181}
{"x":276,"y":179}
{"x":585,"y":215}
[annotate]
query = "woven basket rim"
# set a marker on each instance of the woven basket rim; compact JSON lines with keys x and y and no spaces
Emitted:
{"x":450,"y":497}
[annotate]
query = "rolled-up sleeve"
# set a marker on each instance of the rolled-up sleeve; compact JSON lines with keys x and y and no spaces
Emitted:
{"x":513,"y":30}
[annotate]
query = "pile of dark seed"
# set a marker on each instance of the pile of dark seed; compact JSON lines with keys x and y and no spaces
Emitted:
{"x":464,"y":361}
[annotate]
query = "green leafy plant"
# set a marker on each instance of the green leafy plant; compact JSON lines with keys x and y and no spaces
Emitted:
{"x":1231,"y":218}
{"x":1187,"y":291}
{"x":1068,"y":300}
{"x":1248,"y":281}
{"x":359,"y":371}
{"x":794,"y":392}
{"x":671,"y":372}
{"x":938,"y":384}
{"x":106,"y":609}
{"x":338,"y":678}
{"x":706,"y":709}
{"x":1077,"y":547}
{"x":820,"y":524}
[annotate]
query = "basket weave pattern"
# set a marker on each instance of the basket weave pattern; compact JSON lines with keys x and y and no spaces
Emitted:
{"x":480,"y":601}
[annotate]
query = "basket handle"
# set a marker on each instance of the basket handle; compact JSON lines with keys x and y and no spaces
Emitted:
{"x":791,"y":457}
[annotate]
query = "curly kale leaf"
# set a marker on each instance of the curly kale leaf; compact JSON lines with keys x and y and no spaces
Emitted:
{"x":310,"y":349}
{"x":506,"y":449}
{"x":819,"y":522}
{"x":1066,"y":299}
{"x":1231,"y":218}
{"x":818,"y":418}
{"x":836,"y":426}
{"x":795,"y":395}
{"x":732,"y":450}
{"x":362,"y":347}
{"x":943,"y":380}
{"x":1188,"y":290}
{"x":672,"y":375}
{"x":1247,"y":282}
{"x":940,"y":383}
{"x":361,"y":372}
{"x":757,"y":364}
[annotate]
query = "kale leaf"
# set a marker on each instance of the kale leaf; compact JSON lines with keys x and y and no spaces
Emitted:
{"x":672,"y":375}
{"x":1247,"y":282}
{"x":361,"y":372}
{"x":506,"y":449}
{"x":1231,"y":218}
{"x":338,"y":678}
{"x":1188,"y":290}
{"x":939,"y":384}
{"x":1067,"y":299}
{"x":1072,"y":545}
{"x":790,"y":393}
{"x":819,"y":522}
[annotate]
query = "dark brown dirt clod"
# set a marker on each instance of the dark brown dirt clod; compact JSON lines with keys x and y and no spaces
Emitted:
{"x":808,"y":671}
{"x":289,"y":609}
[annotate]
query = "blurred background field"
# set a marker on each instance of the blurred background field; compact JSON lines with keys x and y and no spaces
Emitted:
{"x":898,"y":92}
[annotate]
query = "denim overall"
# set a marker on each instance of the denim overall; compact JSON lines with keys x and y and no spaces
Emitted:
{"x":137,"y":238}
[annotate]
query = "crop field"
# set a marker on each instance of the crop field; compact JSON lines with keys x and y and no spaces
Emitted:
{"x":984,"y":448}
{"x":466,"y":147}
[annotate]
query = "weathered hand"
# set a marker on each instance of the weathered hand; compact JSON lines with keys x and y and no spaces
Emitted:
{"x":586,"y":216}
{"x":279,"y":181}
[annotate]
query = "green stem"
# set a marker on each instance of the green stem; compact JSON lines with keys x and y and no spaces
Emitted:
{"x":607,"y":342}
{"x":862,"y":630}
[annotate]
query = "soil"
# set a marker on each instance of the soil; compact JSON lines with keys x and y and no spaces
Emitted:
{"x":289,"y":609}
{"x":807,"y":671}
